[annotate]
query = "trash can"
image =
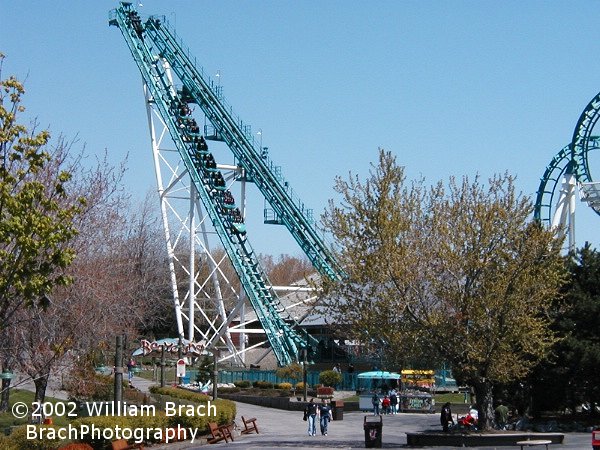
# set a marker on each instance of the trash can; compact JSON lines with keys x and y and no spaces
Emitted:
{"x":337,"y":409}
{"x":596,"y":439}
{"x":373,"y":431}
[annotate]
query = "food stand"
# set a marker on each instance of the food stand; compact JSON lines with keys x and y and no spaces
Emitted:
{"x":414,"y":396}
{"x":379,"y":381}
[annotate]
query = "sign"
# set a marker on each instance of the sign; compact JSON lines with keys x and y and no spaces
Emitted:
{"x":421,"y":378}
{"x":171,"y":346}
{"x":181,"y":367}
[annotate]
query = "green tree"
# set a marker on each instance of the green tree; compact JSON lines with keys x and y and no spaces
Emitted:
{"x":330,"y":378}
{"x":205,"y":370}
{"x":34,"y":224}
{"x":36,"y":221}
{"x":571,"y":374}
{"x":454,"y":273}
{"x":292,"y":371}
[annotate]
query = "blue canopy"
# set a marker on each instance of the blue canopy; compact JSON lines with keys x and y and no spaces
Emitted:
{"x":379,"y":374}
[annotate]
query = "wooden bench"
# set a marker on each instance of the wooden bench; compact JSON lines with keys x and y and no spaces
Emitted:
{"x":533,"y":443}
{"x":249,"y":425}
{"x":121,"y":444}
{"x":219,"y":433}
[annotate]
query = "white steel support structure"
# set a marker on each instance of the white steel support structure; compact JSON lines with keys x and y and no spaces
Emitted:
{"x":188,"y":240}
{"x":564,"y":214}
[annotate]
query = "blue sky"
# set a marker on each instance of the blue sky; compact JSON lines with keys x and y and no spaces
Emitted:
{"x":450,"y":87}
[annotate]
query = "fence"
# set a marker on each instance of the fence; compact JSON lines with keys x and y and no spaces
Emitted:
{"x":349,"y":380}
{"x":252,"y":375}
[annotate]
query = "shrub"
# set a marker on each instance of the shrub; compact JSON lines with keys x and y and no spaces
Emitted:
{"x":243,"y":384}
{"x":17,"y":440}
{"x":158,"y":420}
{"x":134,"y":396}
{"x":229,"y":390}
{"x":300,"y":386}
{"x":180,"y":393}
{"x":292,"y":371}
{"x":330,"y":378}
{"x":86,"y":384}
{"x":285,"y":386}
{"x":262,"y":385}
{"x":226,"y":410}
{"x":325,"y":391}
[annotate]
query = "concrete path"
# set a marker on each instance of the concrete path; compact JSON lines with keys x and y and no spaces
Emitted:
{"x":52,"y":390}
{"x":286,"y":429}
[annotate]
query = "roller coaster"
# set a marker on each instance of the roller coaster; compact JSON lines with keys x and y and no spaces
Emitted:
{"x":186,"y":109}
{"x":568,"y":172}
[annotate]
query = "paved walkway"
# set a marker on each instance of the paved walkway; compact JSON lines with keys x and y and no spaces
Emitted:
{"x":52,"y":390}
{"x":286,"y":429}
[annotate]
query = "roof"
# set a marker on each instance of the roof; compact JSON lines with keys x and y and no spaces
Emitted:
{"x":381,"y":374}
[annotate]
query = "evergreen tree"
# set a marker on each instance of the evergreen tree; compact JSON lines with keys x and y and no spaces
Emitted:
{"x":571,"y":374}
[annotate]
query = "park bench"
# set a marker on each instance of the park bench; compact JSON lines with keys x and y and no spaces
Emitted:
{"x":533,"y":443}
{"x":219,"y":433}
{"x":249,"y":425}
{"x":121,"y":444}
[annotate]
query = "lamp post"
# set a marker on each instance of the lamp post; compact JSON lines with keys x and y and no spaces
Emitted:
{"x":118,"y":397}
{"x":179,"y":356}
{"x":304,"y":377}
{"x":215,"y":372}
{"x":6,"y":376}
{"x":162,"y":366}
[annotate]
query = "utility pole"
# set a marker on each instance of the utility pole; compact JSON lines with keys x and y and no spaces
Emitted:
{"x":162,"y":366}
{"x":118,"y":397}
{"x":304,"y":378}
{"x":215,"y":372}
{"x":179,"y":356}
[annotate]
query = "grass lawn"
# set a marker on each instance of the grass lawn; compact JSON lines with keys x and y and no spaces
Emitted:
{"x":7,"y":419}
{"x":170,"y":376}
{"x":449,"y":397}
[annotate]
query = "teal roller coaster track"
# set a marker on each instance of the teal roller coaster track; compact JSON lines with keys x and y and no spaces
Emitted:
{"x":174,"y":83}
{"x":570,"y":168}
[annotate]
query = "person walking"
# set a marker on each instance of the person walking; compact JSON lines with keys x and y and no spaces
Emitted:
{"x":446,"y":417}
{"x":325,"y":415}
{"x":394,"y":401}
{"x":311,"y":413}
{"x":385,"y":405}
{"x":375,"y":402}
{"x":130,"y":367}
